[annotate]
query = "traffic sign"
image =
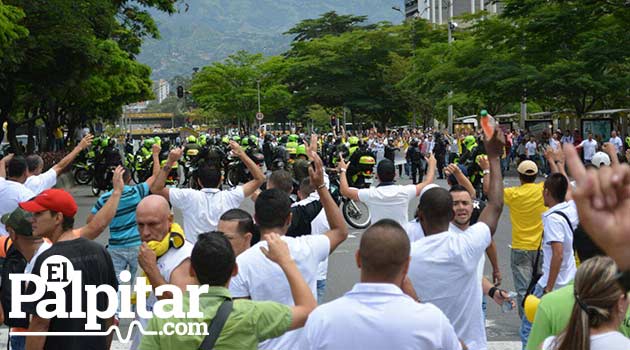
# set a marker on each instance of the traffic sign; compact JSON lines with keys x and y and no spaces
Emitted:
{"x":259,"y":116}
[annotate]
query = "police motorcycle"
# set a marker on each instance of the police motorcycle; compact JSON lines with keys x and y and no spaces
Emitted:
{"x":236,"y":172}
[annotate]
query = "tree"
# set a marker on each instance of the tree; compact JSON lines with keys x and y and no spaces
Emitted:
{"x":329,"y":23}
{"x":230,"y":87}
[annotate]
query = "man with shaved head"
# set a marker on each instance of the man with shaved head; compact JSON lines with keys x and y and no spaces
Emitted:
{"x":376,"y":313}
{"x":444,"y":263}
{"x":155,"y":224}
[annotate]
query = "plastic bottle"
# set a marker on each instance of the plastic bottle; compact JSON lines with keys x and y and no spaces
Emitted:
{"x":488,"y":123}
{"x":506,"y":306}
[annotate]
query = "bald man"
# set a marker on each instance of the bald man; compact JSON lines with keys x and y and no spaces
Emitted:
{"x":155,"y":221}
{"x":378,"y":302}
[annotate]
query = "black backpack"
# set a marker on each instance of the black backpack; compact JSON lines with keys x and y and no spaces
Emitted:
{"x":14,"y":263}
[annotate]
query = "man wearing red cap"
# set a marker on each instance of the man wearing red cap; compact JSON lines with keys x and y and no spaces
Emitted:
{"x":53,"y":218}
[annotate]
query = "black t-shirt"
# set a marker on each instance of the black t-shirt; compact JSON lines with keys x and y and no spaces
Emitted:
{"x":96,"y":267}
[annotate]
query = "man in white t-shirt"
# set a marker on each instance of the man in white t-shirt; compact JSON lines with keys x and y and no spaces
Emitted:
{"x":530,"y":148}
{"x":260,"y":279}
{"x":387,"y":200}
{"x":37,"y":181}
{"x":17,"y":185}
{"x":559,"y":222}
{"x":590,"y":147}
{"x":616,"y":140}
{"x":443,"y":266}
{"x":155,"y":222}
{"x":201,"y":209}
{"x":382,"y":311}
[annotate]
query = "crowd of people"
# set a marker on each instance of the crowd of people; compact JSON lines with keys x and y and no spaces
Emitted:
{"x":421,"y":279}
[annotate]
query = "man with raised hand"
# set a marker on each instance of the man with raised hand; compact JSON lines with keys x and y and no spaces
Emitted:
{"x":202,"y":208}
{"x":387,"y":200}
{"x":249,"y":322}
{"x":443,"y":264}
{"x":602,"y":198}
{"x":259,"y":279}
{"x":37,"y":181}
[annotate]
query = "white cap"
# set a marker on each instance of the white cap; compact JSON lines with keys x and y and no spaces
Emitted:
{"x":426,"y":188}
{"x":600,"y":158}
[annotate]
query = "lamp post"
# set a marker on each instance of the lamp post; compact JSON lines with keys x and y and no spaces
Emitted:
{"x":451,"y":26}
{"x":413,"y":52}
{"x":258,"y":87}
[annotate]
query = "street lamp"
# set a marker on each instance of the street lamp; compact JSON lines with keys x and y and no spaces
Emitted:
{"x":451,"y":26}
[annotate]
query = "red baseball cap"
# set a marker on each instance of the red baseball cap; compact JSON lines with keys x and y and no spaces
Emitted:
{"x":53,"y":199}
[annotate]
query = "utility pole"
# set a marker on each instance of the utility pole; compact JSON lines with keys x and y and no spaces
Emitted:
{"x":258,"y":86}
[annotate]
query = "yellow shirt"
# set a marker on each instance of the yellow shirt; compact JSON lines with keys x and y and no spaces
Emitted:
{"x":526,"y":209}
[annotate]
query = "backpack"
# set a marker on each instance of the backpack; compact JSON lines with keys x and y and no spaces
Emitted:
{"x":14,"y":263}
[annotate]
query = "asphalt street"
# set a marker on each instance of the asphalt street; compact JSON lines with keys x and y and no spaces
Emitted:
{"x":502,"y":328}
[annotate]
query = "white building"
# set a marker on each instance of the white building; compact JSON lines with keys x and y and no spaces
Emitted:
{"x":162,"y":89}
{"x":439,"y":11}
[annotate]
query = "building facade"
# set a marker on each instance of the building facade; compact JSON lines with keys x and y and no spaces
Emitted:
{"x":439,"y":11}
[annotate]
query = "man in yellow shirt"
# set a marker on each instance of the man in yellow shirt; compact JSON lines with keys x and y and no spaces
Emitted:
{"x":526,"y":208}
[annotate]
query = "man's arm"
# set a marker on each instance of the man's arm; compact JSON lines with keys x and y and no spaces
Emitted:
{"x":96,"y":224}
{"x":491,"y":252}
{"x":499,"y":295}
{"x":611,"y":151}
{"x":155,"y":150}
{"x":37,"y":324}
{"x":430,"y":174}
{"x":338,"y":230}
{"x":344,"y":187}
{"x":259,"y":178}
{"x":491,"y":214}
{"x":303,"y":298}
{"x":158,"y":186}
{"x":69,"y":158}
{"x":554,"y":268}
{"x":3,"y":165}
{"x":461,"y":179}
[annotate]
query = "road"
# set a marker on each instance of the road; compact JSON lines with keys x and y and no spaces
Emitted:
{"x":502,"y":328}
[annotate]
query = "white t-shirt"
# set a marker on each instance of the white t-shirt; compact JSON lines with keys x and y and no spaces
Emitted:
{"x":554,"y":143}
{"x":556,"y":229}
{"x":202,"y":209}
{"x":482,"y":261}
{"x":604,"y":341}
{"x":319,"y":226}
{"x":443,"y":271}
{"x":617,"y":142}
{"x":414,"y":230}
{"x":166,"y":264}
{"x":41,"y":182}
{"x":589,"y":148}
{"x":12,"y":193}
{"x":376,"y":316}
{"x":388,"y":202}
{"x":261,"y":279}
{"x":531,"y":148}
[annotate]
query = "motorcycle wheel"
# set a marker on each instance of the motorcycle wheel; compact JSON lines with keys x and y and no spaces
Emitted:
{"x":232,"y":177}
{"x":82,"y":176}
{"x":357,"y":214}
{"x":95,"y":188}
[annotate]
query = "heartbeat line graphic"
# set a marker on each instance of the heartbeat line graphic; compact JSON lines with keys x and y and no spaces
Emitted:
{"x":111,"y":329}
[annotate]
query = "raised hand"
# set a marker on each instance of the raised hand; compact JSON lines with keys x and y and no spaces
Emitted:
{"x":117,"y":179}
{"x":316,"y":174}
{"x":496,"y":144}
{"x":175,"y":154}
{"x":85,"y":141}
{"x":602,"y":198}
{"x":277,"y":251}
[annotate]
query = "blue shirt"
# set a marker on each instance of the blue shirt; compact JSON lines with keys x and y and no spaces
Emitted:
{"x":123,"y":231}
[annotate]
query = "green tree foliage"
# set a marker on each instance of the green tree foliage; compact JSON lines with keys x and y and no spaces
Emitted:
{"x":330,"y":23}
{"x":230,"y":87}
{"x":73,"y":66}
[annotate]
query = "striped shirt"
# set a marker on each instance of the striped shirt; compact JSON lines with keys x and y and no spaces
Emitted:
{"x":123,"y":231}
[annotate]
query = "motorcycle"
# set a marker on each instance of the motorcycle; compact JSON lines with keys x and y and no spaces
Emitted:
{"x":103,"y":182}
{"x":356,"y":213}
{"x":236,"y":172}
{"x":83,"y":168}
